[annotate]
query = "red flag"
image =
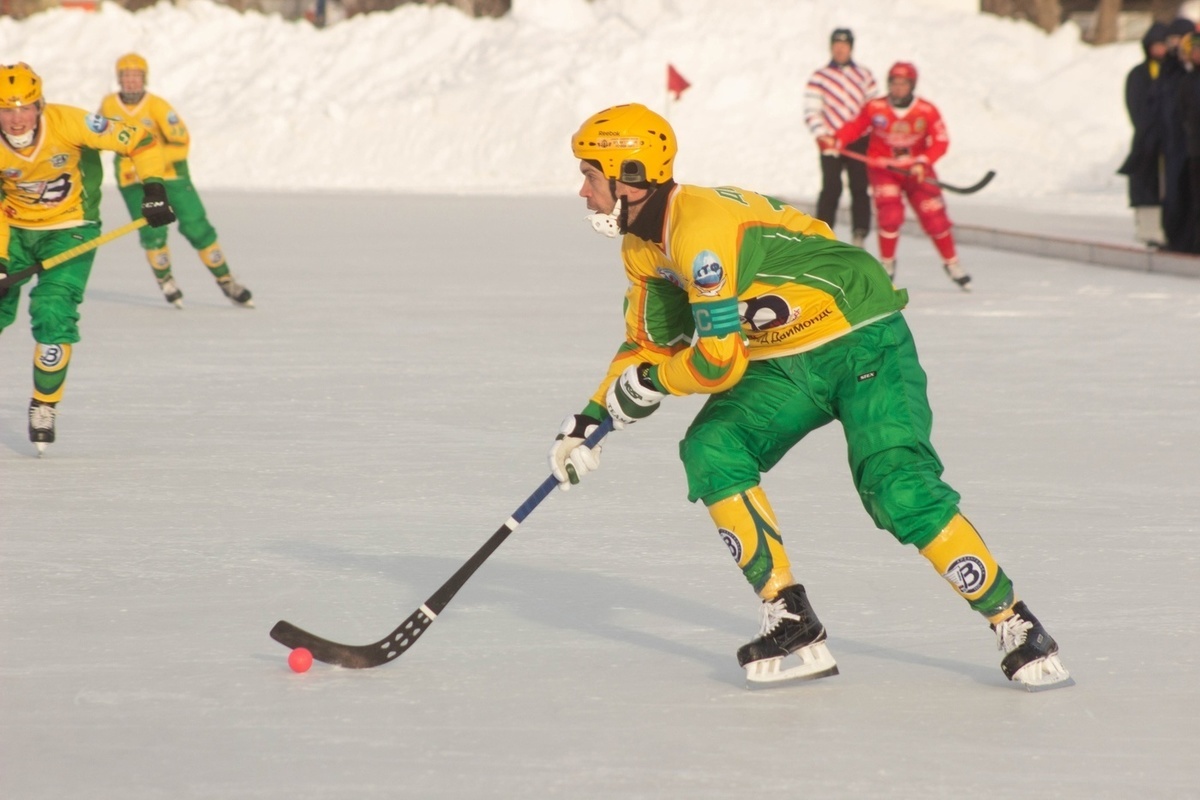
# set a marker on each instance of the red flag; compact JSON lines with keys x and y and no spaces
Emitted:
{"x":676,"y":83}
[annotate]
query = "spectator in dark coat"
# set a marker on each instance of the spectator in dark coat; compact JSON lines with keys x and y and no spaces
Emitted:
{"x":1189,"y":107}
{"x":1175,"y":191}
{"x":1143,"y":102}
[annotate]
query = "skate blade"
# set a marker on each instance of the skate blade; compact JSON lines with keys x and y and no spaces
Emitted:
{"x":177,"y":303}
{"x":247,"y":304}
{"x":41,"y":448}
{"x":1043,"y":675}
{"x":806,"y":664}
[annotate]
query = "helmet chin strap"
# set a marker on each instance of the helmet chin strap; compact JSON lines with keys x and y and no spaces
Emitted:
{"x":607,"y":224}
{"x":22,"y":141}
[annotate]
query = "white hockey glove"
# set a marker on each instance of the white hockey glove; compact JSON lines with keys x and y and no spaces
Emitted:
{"x":632,"y":396}
{"x":569,"y":459}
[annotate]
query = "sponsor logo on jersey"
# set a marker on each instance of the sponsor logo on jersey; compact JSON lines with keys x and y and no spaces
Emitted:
{"x":172,"y":118}
{"x":670,"y":277}
{"x":765,"y":312}
{"x":148,"y":124}
{"x":866,"y":376}
{"x":96,"y":123}
{"x":732,"y":542}
{"x":968,"y":574}
{"x":879,"y":121}
{"x":707,"y":274}
{"x":11,"y":174}
{"x":59,"y":160}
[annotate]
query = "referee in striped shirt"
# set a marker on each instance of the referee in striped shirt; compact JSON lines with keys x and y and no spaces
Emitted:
{"x":834,"y":95}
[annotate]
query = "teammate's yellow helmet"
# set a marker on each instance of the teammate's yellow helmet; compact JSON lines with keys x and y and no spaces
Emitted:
{"x":631,"y":143}
{"x":134,"y":62}
{"x":19,"y":86}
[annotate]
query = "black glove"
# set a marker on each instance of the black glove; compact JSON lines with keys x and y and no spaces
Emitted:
{"x":3,"y":275}
{"x":155,"y":208}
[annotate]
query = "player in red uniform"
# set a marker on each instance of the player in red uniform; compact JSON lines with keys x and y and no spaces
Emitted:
{"x":907,"y":138}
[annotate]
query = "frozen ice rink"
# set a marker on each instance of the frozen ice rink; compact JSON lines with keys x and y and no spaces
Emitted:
{"x":334,"y":455}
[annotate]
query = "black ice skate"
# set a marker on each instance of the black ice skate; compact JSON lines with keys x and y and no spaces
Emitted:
{"x":171,"y":291}
{"x":791,"y":644}
{"x":237,"y":293}
{"x":958,"y":274}
{"x":1031,"y":654}
{"x":41,"y":424}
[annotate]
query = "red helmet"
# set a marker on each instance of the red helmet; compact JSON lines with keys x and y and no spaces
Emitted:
{"x":903,"y":69}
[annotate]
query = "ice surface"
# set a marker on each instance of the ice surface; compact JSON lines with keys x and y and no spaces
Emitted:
{"x":332,"y":456}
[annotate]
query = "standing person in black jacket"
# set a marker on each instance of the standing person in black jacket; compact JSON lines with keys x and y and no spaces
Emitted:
{"x":1143,"y":102}
{"x":1176,"y":203}
{"x":1189,"y":108}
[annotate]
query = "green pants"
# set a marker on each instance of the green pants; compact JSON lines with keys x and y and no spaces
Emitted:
{"x":872,"y":382}
{"x":193,"y":219}
{"x":54,"y":302}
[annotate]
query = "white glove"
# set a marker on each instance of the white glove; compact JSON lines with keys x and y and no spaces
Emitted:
{"x":632,"y":396}
{"x":569,"y":459}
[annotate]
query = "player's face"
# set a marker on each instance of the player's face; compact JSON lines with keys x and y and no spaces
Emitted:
{"x":899,"y":88}
{"x":595,"y":189}
{"x":19,"y":121}
{"x":840,"y":52}
{"x":133,"y":81}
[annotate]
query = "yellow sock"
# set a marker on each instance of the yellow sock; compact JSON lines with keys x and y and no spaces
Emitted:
{"x":960,"y":556}
{"x":747,"y":525}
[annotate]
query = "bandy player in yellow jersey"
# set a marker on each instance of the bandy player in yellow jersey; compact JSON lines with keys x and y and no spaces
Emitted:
{"x":740,"y":297}
{"x":50,"y":175}
{"x":134,"y":105}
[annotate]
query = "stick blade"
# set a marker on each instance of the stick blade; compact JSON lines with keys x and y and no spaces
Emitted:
{"x":354,"y":656}
{"x":982,"y":182}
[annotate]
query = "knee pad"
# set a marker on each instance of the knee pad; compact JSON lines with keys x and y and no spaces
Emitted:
{"x":159,"y":258}
{"x":212,"y":256}
{"x":889,"y":209}
{"x":50,"y":371}
{"x":931,"y":211}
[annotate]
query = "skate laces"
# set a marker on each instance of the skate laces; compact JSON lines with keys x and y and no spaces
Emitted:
{"x":773,"y":613}
{"x":41,"y":417}
{"x":1011,"y":633}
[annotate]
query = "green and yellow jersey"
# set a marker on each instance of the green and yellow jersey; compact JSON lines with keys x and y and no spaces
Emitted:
{"x":55,"y":182}
{"x":158,"y":117}
{"x":738,"y":277}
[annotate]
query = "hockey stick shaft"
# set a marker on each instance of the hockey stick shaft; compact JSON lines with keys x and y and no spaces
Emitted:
{"x":74,"y":252}
{"x":881,"y":163}
{"x":399,"y":640}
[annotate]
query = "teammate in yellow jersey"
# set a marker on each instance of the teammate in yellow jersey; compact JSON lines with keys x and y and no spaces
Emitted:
{"x":133,"y":104}
{"x":50,"y":177}
{"x":738,"y":296}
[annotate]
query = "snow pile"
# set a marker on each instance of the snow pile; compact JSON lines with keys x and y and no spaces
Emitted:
{"x":425,"y":99}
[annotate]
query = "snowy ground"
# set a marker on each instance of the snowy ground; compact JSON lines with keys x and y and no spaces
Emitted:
{"x":334,"y":455}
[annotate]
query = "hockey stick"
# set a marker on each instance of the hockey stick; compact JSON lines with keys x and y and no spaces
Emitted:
{"x":882,"y":164}
{"x":67,"y":255}
{"x":399,"y":640}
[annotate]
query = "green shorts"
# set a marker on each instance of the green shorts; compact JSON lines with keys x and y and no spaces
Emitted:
{"x":54,"y":301}
{"x":872,"y":382}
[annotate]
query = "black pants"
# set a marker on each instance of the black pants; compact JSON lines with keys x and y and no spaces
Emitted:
{"x":831,"y":189}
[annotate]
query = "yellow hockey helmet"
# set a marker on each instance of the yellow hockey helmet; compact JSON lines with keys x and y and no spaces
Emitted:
{"x":132,"y":61}
{"x":19,"y":86}
{"x":631,"y":143}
